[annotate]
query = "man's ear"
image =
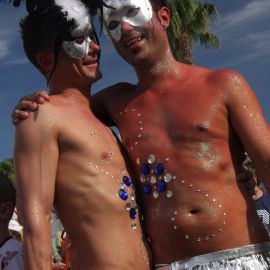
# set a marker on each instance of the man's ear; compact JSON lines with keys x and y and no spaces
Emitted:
{"x":164,"y":17}
{"x":46,"y":61}
{"x":6,"y":211}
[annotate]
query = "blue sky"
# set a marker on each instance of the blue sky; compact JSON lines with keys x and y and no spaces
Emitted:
{"x":244,"y":31}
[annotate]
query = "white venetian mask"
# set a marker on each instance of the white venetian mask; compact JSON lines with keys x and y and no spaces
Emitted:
{"x":134,"y":12}
{"x":81,"y":35}
{"x":79,"y":47}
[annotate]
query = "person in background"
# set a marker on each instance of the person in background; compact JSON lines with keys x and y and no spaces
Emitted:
{"x":10,"y":248}
{"x":259,"y":195}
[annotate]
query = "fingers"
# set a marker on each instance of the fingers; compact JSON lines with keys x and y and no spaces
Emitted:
{"x":58,"y":266}
{"x":40,"y":97}
{"x":28,"y":103}
{"x":19,"y":115}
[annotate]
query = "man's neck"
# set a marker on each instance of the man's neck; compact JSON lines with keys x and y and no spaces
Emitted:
{"x":166,"y":67}
{"x":73,"y":93}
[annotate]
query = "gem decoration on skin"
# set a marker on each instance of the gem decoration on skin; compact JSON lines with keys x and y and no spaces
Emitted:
{"x":126,"y":191}
{"x":156,"y":179}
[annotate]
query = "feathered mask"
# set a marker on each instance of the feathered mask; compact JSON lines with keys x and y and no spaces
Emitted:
{"x":72,"y":20}
{"x":32,"y":5}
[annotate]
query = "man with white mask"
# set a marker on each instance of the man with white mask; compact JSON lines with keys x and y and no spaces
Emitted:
{"x":68,"y":159}
{"x":184,"y":128}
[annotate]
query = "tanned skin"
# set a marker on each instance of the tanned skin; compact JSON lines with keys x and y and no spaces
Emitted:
{"x":197,"y":122}
{"x":67,"y":158}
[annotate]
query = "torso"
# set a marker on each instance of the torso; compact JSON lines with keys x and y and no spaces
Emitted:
{"x":89,"y":176}
{"x":184,"y":125}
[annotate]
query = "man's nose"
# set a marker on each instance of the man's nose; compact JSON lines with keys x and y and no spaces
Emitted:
{"x":94,"y":47}
{"x":125,"y":26}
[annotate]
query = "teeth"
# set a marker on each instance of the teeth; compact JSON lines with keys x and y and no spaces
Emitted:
{"x":130,"y":43}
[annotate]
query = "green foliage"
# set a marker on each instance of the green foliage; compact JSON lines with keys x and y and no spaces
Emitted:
{"x":7,"y":170}
{"x":190,"y":23}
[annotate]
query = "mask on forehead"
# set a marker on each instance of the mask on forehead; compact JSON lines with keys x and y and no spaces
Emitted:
{"x":133,"y":12}
{"x":77,"y":43}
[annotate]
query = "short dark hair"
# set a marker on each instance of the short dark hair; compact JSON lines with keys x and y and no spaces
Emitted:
{"x":38,"y":35}
{"x":7,"y":190}
{"x":157,"y":4}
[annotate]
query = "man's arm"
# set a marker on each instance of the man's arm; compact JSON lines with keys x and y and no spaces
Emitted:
{"x":248,"y":121}
{"x":36,"y":157}
{"x":104,"y":101}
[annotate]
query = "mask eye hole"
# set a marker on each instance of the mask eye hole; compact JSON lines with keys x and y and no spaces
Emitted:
{"x":92,"y":36}
{"x":79,"y":40}
{"x":132,"y":12}
{"x":113,"y":24}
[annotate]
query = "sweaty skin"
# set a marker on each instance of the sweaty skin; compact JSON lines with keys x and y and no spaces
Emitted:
{"x":67,"y":158}
{"x":195,"y":122}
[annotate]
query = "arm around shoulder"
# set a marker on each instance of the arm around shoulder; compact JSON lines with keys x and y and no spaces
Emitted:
{"x":104,"y":100}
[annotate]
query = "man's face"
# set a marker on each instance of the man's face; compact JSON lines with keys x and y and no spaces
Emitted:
{"x":133,"y":12}
{"x":79,"y":58}
{"x":84,"y":69}
{"x":79,"y":47}
{"x":134,"y":29}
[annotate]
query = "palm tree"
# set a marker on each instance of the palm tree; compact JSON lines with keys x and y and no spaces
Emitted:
{"x":7,"y":170}
{"x":189,"y":24}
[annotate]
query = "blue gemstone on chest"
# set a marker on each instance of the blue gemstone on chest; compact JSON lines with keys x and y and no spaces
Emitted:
{"x":126,"y":181}
{"x":123,"y":194}
{"x":132,"y":213}
{"x":147,"y":189}
{"x":159,"y":169}
{"x":145,"y":169}
{"x":161,"y":186}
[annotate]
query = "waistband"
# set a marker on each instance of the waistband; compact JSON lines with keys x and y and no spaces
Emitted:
{"x":218,"y":255}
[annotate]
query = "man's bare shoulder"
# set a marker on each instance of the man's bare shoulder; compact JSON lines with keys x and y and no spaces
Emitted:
{"x":230,"y":84}
{"x":45,"y":118}
{"x":224,"y":77}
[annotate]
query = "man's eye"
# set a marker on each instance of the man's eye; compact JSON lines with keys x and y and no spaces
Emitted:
{"x":92,"y":36}
{"x":132,"y":12}
{"x":79,"y":40}
{"x":113,"y":24}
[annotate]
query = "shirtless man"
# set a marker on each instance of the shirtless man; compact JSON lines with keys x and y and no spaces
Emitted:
{"x":67,"y":158}
{"x":184,"y":128}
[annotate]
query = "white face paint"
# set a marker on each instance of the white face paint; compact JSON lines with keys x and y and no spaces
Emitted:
{"x":79,"y":47}
{"x":133,"y":12}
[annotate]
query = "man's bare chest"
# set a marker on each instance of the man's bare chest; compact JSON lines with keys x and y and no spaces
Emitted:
{"x":168,"y":119}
